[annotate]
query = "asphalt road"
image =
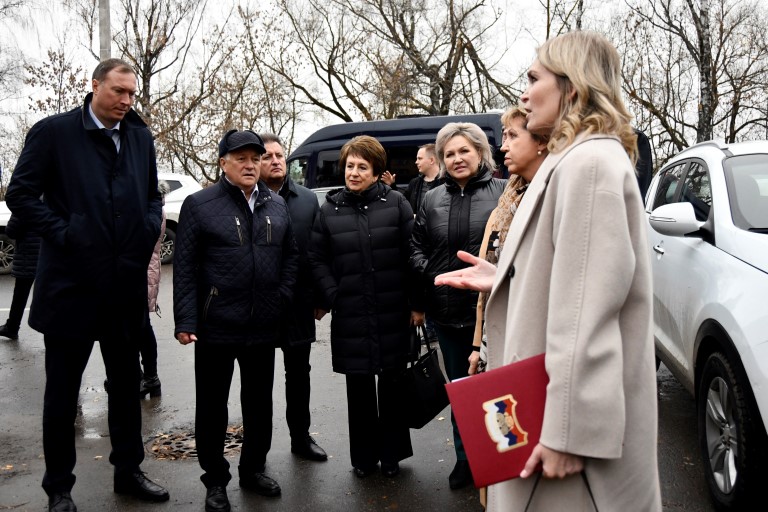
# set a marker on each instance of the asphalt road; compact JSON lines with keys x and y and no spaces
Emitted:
{"x":329,"y":486}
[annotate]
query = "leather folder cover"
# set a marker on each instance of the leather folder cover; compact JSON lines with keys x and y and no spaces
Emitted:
{"x":499,"y":414}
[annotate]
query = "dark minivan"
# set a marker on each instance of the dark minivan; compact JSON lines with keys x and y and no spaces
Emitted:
{"x":314,"y":163}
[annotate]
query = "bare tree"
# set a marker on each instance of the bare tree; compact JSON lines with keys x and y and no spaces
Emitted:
{"x":382,"y":58}
{"x":64,"y":84}
{"x":11,"y":59}
{"x":157,"y":37}
{"x":562,"y":16}
{"x":697,"y":69}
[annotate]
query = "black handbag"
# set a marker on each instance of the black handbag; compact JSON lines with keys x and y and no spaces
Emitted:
{"x":422,"y":384}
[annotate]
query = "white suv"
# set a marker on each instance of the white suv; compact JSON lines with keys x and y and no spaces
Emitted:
{"x":707,"y":215}
{"x":181,"y":186}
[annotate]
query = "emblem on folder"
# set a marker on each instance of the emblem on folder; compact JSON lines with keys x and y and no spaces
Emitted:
{"x":502,"y":424}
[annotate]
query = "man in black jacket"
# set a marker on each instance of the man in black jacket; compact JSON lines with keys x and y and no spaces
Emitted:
{"x":428,"y":178}
{"x":299,"y":320}
{"x":235,"y":268}
{"x":99,"y":221}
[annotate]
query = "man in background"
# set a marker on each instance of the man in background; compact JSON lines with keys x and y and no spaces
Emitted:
{"x":298,"y":324}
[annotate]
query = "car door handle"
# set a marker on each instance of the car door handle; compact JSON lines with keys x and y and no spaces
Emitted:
{"x":659,"y":249}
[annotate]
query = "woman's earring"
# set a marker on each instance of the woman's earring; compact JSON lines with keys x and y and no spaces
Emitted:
{"x":538,"y":152}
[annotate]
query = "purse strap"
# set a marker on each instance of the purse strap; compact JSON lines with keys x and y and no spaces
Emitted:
{"x":583,"y":477}
{"x":422,"y":341}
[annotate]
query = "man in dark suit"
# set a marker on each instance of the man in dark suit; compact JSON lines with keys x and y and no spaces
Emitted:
{"x":298,"y":326}
{"x":95,"y":169}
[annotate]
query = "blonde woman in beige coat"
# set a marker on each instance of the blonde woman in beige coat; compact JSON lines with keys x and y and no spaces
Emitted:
{"x":574,"y":282}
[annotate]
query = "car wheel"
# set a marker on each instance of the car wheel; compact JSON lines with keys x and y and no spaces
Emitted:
{"x":167,"y":246}
{"x":7,"y":250}
{"x":728,"y":438}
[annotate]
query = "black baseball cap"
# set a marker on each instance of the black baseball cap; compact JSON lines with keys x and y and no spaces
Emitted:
{"x":236,"y":139}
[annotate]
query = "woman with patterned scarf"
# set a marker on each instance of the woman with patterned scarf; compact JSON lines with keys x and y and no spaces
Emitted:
{"x":523,"y":154}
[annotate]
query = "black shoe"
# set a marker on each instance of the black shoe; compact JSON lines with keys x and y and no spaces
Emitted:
{"x":139,"y":486}
{"x":216,"y":499}
{"x":390,"y":470}
{"x":363,"y":472}
{"x":308,"y":449}
{"x":150,"y":384}
{"x":260,"y":484}
{"x":461,"y":476}
{"x":61,"y":502}
{"x":9,"y":333}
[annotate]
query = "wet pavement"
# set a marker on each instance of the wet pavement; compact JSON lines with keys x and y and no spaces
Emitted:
{"x":317,"y":486}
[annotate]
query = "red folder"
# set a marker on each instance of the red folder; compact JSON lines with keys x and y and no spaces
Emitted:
{"x":499,"y":414}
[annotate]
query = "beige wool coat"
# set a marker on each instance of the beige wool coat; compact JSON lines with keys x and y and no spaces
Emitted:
{"x":574,"y":282}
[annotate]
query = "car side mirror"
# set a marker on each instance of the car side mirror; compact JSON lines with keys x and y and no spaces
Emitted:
{"x":675,"y":219}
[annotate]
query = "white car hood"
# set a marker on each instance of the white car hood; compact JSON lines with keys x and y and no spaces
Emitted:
{"x":751,"y":248}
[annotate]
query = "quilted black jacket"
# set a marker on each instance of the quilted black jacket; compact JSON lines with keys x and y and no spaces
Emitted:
{"x":359,"y":255}
{"x":233,"y":270}
{"x":451,"y":220}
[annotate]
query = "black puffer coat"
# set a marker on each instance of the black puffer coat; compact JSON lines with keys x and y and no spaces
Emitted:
{"x":359,"y":256}
{"x":452,"y":220}
{"x":27,"y":249}
{"x":299,"y":319}
{"x":233,"y":270}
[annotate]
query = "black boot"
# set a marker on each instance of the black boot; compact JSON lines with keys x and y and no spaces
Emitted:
{"x":150,"y":384}
{"x":7,"y":332}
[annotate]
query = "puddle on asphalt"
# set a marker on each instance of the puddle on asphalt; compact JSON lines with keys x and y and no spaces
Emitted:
{"x":91,"y":421}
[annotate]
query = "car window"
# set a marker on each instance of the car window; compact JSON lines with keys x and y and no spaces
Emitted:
{"x":697,"y":190}
{"x":173,"y":184}
{"x":668,"y":185}
{"x":747,"y":180}
{"x":328,"y":173}
{"x":297,"y":170}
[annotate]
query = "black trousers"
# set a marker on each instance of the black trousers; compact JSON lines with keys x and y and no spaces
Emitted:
{"x":297,"y":389}
{"x":65,"y":361}
{"x":148,"y":348}
{"x":376,"y":432}
{"x":21,"y":289}
{"x":456,"y":346}
{"x":214,"y":366}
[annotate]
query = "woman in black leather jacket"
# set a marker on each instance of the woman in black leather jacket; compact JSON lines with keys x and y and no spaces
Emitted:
{"x":359,"y":255}
{"x":453,"y":218}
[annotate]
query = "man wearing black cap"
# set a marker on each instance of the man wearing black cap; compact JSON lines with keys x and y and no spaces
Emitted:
{"x":235,"y":267}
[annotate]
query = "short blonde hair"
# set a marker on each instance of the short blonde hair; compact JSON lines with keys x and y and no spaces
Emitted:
{"x":470,"y":131}
{"x":588,"y":64}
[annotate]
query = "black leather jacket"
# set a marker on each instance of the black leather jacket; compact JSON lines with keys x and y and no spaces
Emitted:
{"x":451,"y":219}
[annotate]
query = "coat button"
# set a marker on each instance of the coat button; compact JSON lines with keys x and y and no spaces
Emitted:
{"x":511,"y":272}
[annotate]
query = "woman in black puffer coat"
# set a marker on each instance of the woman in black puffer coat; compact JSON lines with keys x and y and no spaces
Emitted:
{"x":359,"y":255}
{"x":23,"y":269}
{"x":452,"y":218}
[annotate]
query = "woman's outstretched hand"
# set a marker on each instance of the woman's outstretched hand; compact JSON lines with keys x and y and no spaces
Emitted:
{"x":479,"y":276}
